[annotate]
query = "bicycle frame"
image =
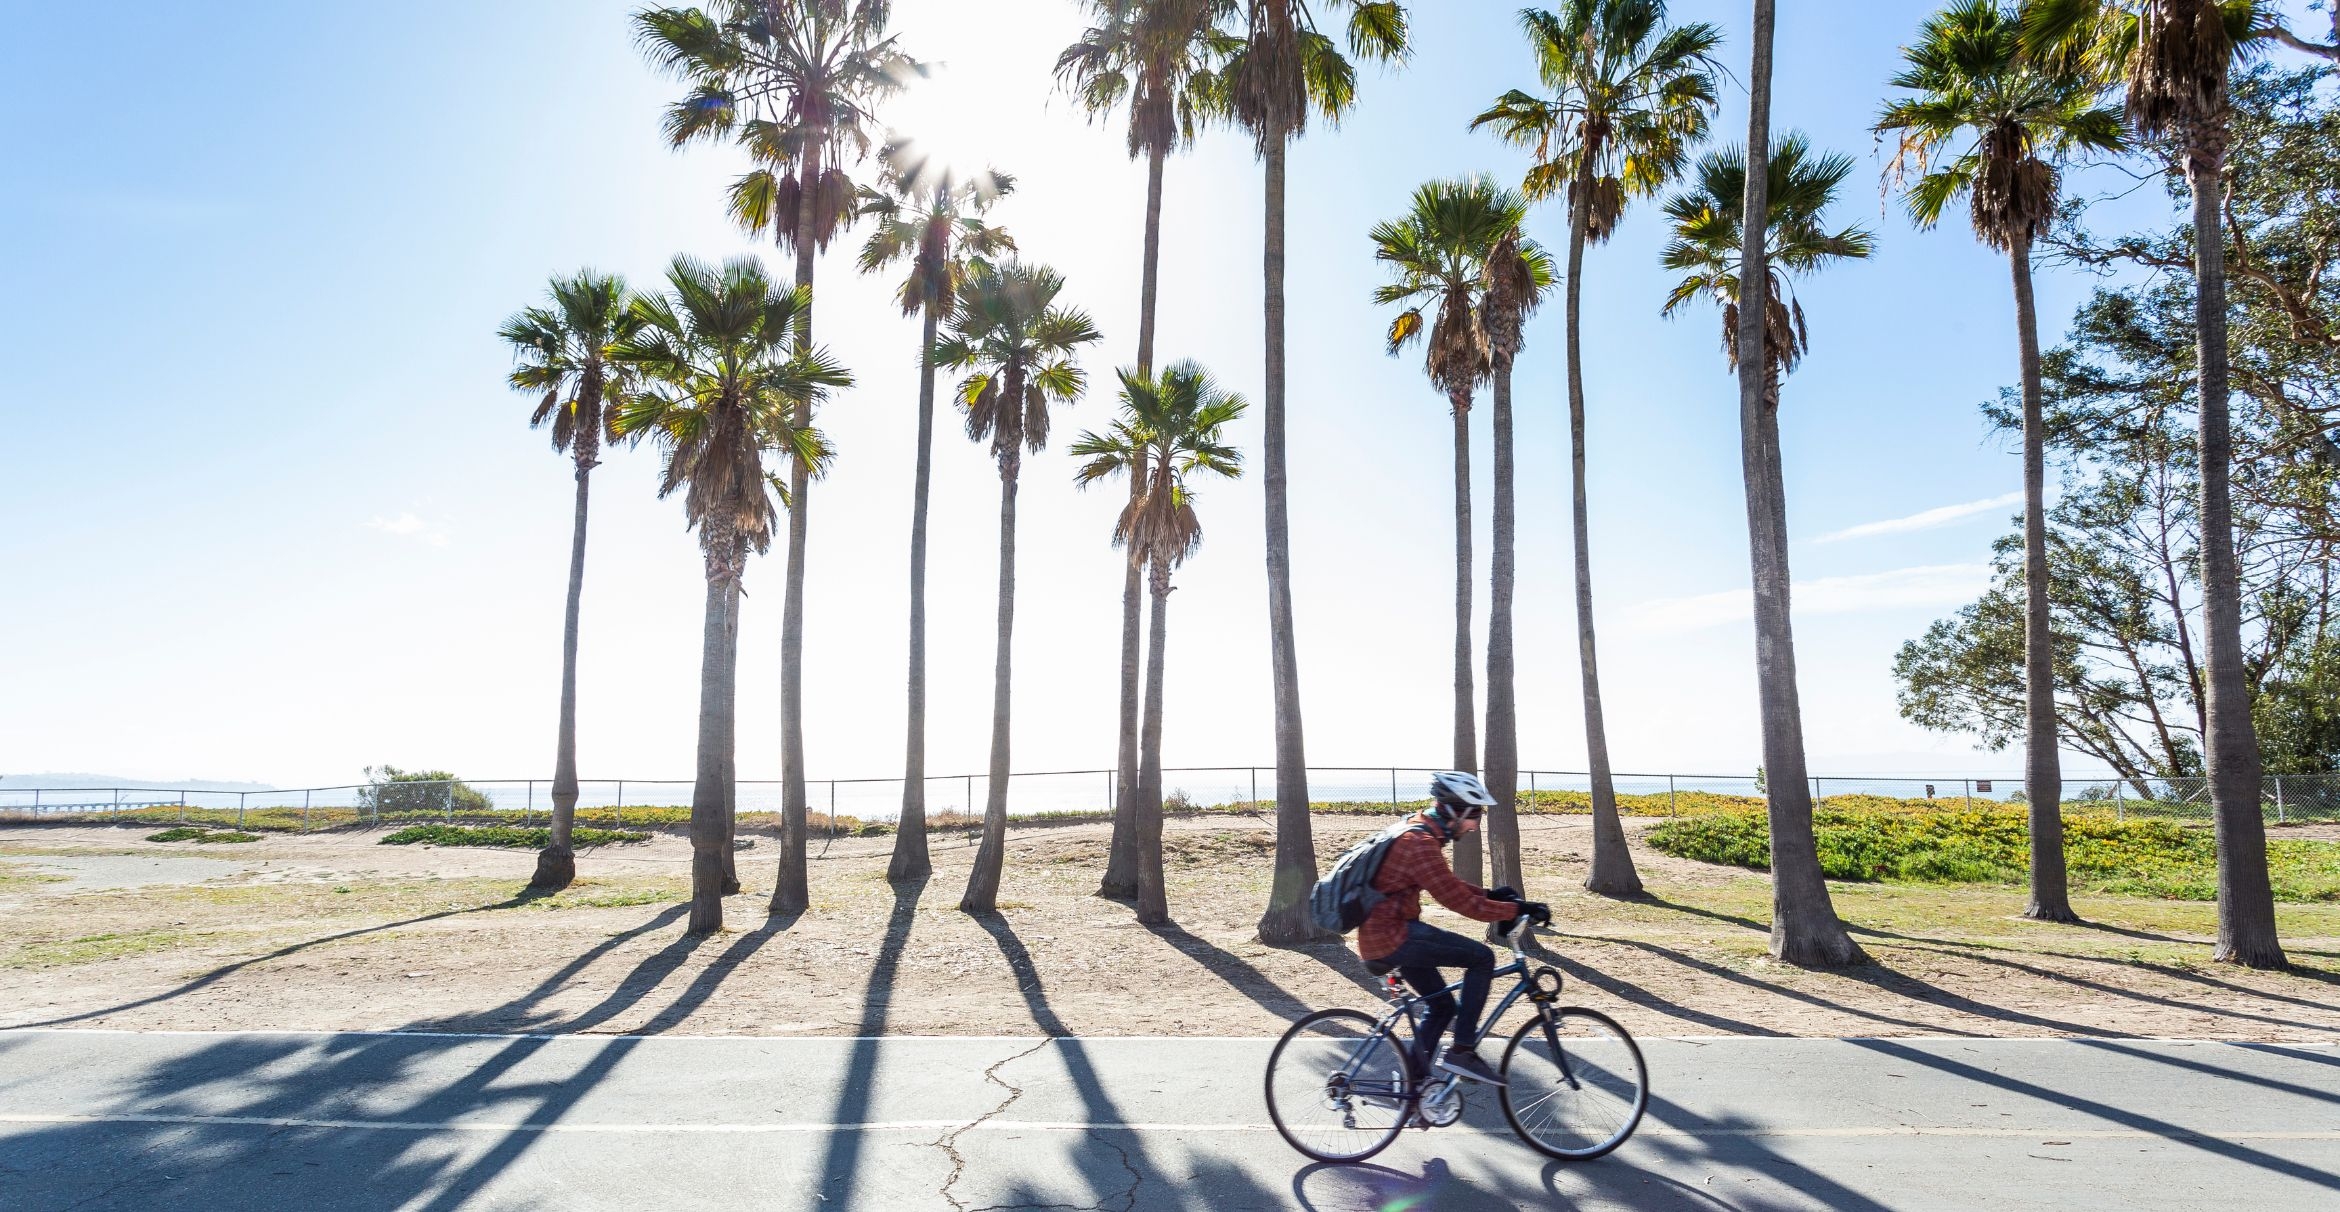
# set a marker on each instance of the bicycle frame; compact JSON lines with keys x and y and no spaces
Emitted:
{"x":1409,"y":1007}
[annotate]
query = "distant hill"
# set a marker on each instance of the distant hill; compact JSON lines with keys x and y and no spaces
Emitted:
{"x":27,"y":782}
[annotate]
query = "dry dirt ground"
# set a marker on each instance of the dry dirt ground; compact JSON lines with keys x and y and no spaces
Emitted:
{"x":336,"y":932}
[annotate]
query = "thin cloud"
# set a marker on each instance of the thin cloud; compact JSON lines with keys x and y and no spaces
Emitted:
{"x":408,"y":526}
{"x":1926,"y":520}
{"x":1928,"y":585}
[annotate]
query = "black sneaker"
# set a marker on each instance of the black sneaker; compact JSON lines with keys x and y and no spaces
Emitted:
{"x":1465,"y":1063}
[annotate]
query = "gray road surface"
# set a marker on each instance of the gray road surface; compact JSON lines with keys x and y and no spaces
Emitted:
{"x":98,"y":1120}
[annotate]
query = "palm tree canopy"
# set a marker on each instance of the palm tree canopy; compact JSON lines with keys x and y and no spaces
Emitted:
{"x":723,"y":367}
{"x":930,"y":218}
{"x":1969,"y":77}
{"x":1020,"y":345}
{"x":1177,"y":417}
{"x":794,"y":82}
{"x":1157,"y":56}
{"x":1441,"y":255}
{"x":564,"y":348}
{"x":1279,"y":67}
{"x":2173,"y":55}
{"x":1709,"y":217}
{"x":1628,"y":97}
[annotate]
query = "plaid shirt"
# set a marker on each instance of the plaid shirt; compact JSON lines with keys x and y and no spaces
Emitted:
{"x":1416,"y":863}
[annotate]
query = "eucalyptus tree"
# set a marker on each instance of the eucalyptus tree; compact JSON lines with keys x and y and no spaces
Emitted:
{"x":1438,"y":256}
{"x":724,"y":373}
{"x":1171,"y":428}
{"x":1019,"y":344}
{"x":2174,"y":57}
{"x":1985,"y":122}
{"x":1155,"y":57}
{"x":1280,"y":70}
{"x":1716,"y":252}
{"x":929,"y":220}
{"x":564,"y":350}
{"x":796,"y":84}
{"x":1626,"y":97}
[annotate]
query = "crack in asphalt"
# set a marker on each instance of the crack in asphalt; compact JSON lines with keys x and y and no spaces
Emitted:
{"x":948,"y":1142}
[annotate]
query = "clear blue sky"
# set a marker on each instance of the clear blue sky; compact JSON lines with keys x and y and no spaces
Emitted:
{"x":270,"y":512}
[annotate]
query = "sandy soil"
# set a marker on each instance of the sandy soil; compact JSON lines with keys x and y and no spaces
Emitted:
{"x":336,"y":932}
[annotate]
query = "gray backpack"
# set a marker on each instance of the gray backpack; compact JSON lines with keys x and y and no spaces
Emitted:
{"x":1340,"y":900}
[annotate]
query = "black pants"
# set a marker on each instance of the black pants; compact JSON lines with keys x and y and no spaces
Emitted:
{"x":1426,"y":950}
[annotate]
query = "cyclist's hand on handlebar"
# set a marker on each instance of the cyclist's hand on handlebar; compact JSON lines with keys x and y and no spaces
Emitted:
{"x":1537,"y":912}
{"x":1504,"y":892}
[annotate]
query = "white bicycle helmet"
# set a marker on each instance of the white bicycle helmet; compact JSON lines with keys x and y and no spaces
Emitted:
{"x":1456,"y":795}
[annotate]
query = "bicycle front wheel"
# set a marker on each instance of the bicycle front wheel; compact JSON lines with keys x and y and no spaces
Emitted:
{"x":1338,"y":1087}
{"x":1577,"y":1089}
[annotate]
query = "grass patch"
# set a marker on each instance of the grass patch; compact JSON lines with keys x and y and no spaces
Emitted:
{"x":1887,"y":843}
{"x":92,"y":948}
{"x":15,"y":877}
{"x":201,"y":836}
{"x":504,"y":835}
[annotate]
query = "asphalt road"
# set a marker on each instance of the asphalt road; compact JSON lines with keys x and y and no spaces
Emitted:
{"x":95,"y":1120}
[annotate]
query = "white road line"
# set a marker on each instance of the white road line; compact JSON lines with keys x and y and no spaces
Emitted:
{"x":944,"y":1125}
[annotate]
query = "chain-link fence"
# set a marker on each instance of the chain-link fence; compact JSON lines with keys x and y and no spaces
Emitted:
{"x":844,"y":806}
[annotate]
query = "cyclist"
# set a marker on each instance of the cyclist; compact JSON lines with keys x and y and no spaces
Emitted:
{"x":1394,"y":937}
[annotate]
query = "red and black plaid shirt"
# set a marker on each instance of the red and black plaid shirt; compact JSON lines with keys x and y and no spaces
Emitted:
{"x":1415,"y":864}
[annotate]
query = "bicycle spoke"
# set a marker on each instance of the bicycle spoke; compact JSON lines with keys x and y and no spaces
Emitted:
{"x":1577,"y":1086}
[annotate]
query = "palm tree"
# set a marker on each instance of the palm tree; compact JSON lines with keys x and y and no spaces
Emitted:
{"x":1280,"y":69}
{"x":796,"y":83}
{"x":1518,"y":275}
{"x":725,"y":373}
{"x":931,"y":220}
{"x":2174,"y":56}
{"x":1176,"y":420}
{"x":1969,"y":76}
{"x":1715,"y":252}
{"x":1009,"y":331}
{"x":1628,"y":98}
{"x":1437,"y":256}
{"x":564,"y":350}
{"x":1155,"y":55}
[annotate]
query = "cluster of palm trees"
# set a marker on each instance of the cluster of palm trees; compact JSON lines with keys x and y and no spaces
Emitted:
{"x":720,"y":370}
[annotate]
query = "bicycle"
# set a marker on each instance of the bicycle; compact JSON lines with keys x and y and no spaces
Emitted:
{"x":1341,"y":1086}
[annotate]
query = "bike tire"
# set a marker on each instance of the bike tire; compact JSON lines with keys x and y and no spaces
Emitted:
{"x":1566,"y":1122}
{"x":1303,"y":1052}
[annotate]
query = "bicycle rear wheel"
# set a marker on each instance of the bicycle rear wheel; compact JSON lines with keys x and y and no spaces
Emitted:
{"x":1577,"y":1090}
{"x":1338,"y":1088}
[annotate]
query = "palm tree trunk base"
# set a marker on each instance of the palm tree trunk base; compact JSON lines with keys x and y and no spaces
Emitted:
{"x":975,"y":908}
{"x":2269,"y":958}
{"x":555,"y":869}
{"x":782,"y":904}
{"x":731,"y":885}
{"x":908,"y":867}
{"x":706,"y":915}
{"x":1837,"y":952}
{"x":2051,"y":913}
{"x":1627,"y":887}
{"x":1117,"y":890}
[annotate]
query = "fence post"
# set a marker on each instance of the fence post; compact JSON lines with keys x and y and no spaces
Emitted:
{"x":450,"y":809}
{"x":968,"y":838}
{"x":305,"y":812}
{"x":530,"y":810}
{"x":2118,"y":813}
{"x":239,"y":810}
{"x":1393,"y":787}
{"x":1969,"y":794}
{"x":1815,"y":789}
{"x":182,"y":805}
{"x":1110,"y":806}
{"x":621,"y":804}
{"x":1531,"y":790}
{"x":832,"y":810}
{"x":1671,"y":810}
{"x":1255,"y":789}
{"x":2278,"y":799}
{"x":36,"y":803}
{"x":117,"y":809}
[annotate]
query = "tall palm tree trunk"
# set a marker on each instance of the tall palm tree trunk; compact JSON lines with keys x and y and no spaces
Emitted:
{"x":730,"y":852}
{"x":556,"y":864}
{"x":1121,"y":857}
{"x":790,"y":893}
{"x":983,"y":883}
{"x":1153,"y":905}
{"x":2043,"y":776}
{"x":1469,"y":860}
{"x":910,"y":861}
{"x":718,"y":669}
{"x":1120,"y":862}
{"x":1286,"y":921}
{"x":1502,"y":773}
{"x":1804,"y":926}
{"x":2230,"y":744}
{"x":1612,"y":872}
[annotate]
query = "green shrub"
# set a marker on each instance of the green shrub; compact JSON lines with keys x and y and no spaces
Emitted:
{"x":1888,"y":841}
{"x":394,"y":792}
{"x":504,"y":835}
{"x":202,"y":837}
